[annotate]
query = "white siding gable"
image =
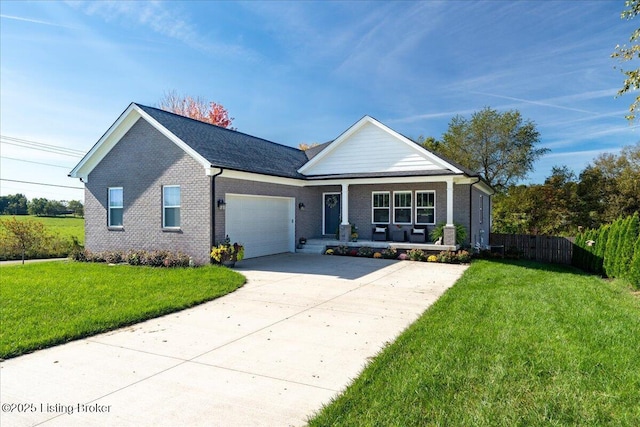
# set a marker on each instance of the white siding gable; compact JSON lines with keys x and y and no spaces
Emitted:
{"x":371,"y":147}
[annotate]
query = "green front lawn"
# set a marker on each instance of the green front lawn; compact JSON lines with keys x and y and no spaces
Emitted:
{"x":511,"y":344}
{"x":49,"y":303}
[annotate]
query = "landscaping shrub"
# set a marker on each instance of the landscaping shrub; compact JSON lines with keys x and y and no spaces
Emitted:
{"x":365,"y":251}
{"x":390,"y":253}
{"x":403,"y":257}
{"x":611,"y":250}
{"x":432,"y":258}
{"x":329,"y":252}
{"x":634,"y":270}
{"x":626,"y":247}
{"x":447,"y":257}
{"x":463,"y":257}
{"x":341,"y":250}
{"x":417,"y":255}
{"x":601,"y":244}
{"x":377,"y":255}
{"x":134,"y":257}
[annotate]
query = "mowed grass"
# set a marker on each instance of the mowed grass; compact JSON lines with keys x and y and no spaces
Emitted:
{"x":65,"y":226}
{"x":49,"y":303}
{"x":511,"y":344}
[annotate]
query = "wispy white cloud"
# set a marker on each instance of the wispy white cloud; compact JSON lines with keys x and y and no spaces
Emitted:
{"x":429,"y":116}
{"x":533,"y":102}
{"x":581,"y":153}
{"x":161,"y":19}
{"x":36,"y":21}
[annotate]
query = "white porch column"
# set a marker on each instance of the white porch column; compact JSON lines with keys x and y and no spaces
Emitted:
{"x":449,"y":230}
{"x":345,"y":228}
{"x":450,"y":202}
{"x":345,"y":204}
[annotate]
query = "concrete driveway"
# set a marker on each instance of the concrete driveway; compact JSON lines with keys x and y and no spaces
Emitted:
{"x":271,"y":353}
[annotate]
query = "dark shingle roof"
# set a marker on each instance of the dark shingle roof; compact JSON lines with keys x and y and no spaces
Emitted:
{"x":315,"y":150}
{"x":235,"y":150}
{"x":232,"y":149}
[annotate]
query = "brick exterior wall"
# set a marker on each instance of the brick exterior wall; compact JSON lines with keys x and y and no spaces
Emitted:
{"x":481,"y":227}
{"x":308,"y":222}
{"x":461,"y":203}
{"x":360,"y":201}
{"x":142,"y":162}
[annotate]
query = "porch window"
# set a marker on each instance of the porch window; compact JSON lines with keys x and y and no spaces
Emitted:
{"x":402,"y":207}
{"x":425,"y":207}
{"x":171,"y":206}
{"x":380,"y":207}
{"x":116,"y":207}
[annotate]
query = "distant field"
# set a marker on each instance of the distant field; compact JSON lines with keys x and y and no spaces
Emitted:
{"x":65,"y":227}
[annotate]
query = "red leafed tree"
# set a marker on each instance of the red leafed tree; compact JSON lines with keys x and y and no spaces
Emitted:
{"x":197,"y":109}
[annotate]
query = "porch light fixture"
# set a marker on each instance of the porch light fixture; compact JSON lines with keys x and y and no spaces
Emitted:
{"x":221,"y":204}
{"x":301,"y":206}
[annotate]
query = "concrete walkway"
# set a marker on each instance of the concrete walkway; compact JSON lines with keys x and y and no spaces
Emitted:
{"x":271,"y":353}
{"x":31,"y":261}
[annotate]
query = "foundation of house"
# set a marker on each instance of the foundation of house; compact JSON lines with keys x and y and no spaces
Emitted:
{"x":319,"y":245}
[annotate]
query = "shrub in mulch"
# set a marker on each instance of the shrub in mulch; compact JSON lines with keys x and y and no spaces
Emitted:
{"x":159,"y":258}
{"x":448,"y":257}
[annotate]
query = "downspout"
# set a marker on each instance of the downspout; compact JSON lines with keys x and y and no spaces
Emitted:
{"x":212,"y":237}
{"x":471,"y":209}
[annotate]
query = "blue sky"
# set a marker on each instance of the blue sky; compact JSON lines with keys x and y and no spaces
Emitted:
{"x":295,"y":72}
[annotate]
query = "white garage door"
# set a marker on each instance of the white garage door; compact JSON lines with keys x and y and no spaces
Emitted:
{"x":263,"y":224}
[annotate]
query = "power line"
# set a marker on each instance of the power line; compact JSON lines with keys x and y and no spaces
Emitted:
{"x":41,"y":183}
{"x":43,"y":149}
{"x":37,"y":163}
{"x":39,"y":146}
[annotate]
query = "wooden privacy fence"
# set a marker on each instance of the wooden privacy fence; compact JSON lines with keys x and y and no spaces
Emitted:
{"x":553,"y":249}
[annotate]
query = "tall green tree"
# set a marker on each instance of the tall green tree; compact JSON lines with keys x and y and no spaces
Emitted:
{"x":76,"y":206}
{"x":634,"y":269}
{"x":625,"y":253}
{"x":13,"y":204}
{"x":548,"y":208}
{"x":502,"y":147}
{"x":616,"y":183}
{"x":38,"y":206}
{"x":626,"y":53}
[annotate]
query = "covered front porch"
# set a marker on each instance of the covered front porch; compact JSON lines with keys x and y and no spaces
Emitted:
{"x":343,"y":219}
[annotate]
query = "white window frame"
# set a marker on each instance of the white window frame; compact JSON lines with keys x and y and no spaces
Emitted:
{"x":481,"y":208}
{"x":374,"y":208}
{"x":410,"y":207}
{"x":109,"y":207}
{"x":425,"y":207}
{"x":165,"y":207}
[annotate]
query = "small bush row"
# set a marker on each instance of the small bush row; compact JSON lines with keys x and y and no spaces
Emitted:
{"x":159,"y":258}
{"x":448,"y":257}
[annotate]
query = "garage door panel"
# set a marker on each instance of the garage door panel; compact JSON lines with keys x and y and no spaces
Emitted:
{"x":263,"y":224}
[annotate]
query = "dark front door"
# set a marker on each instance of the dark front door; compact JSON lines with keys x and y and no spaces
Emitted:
{"x":332,"y":210}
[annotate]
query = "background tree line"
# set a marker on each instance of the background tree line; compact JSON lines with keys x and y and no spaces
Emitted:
{"x":17,"y":204}
{"x":503,"y":147}
{"x":607,"y":189}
